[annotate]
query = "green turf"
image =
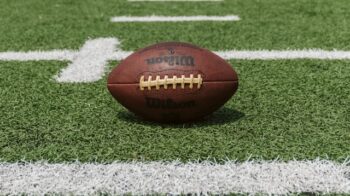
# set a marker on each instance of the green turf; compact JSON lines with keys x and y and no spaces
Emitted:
{"x":271,"y":24}
{"x":283,"y":109}
{"x":286,"y":109}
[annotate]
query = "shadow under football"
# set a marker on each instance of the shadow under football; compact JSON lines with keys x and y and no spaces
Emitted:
{"x":222,"y":116}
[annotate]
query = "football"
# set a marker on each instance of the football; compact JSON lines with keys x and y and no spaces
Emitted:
{"x":172,"y":82}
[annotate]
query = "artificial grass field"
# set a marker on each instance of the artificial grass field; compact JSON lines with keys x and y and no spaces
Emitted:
{"x":286,"y":109}
{"x":283,"y":109}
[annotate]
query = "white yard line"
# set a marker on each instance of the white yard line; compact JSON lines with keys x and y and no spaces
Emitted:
{"x":88,"y":64}
{"x":175,"y":178}
{"x":173,"y":18}
{"x":285,"y":54}
{"x":60,"y":55}
{"x":175,"y":0}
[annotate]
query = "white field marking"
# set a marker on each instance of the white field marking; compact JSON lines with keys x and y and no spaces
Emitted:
{"x":284,"y":54}
{"x":59,"y":55}
{"x":173,"y":18}
{"x":267,"y":177}
{"x":174,"y":0}
{"x":269,"y":54}
{"x":88,"y":64}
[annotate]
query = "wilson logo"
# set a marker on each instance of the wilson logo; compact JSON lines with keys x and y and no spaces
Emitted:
{"x":172,"y":60}
{"x":168,"y":103}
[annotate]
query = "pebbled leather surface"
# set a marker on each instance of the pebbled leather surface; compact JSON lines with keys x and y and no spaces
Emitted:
{"x":220,"y":82}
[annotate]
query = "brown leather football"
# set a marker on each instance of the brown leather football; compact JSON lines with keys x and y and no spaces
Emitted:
{"x":172,"y":82}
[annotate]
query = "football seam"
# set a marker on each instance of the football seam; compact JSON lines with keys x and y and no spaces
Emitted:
{"x":138,"y":83}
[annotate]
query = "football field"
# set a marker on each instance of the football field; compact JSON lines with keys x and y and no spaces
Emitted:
{"x":285,"y":131}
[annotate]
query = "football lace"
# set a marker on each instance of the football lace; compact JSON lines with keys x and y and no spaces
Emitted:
{"x":172,"y":81}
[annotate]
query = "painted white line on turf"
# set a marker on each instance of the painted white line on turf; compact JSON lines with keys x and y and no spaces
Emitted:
{"x":175,"y":0}
{"x":284,"y":54}
{"x":268,"y":54}
{"x":89,"y":63}
{"x":175,"y":178}
{"x":60,"y":55}
{"x":173,"y":18}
